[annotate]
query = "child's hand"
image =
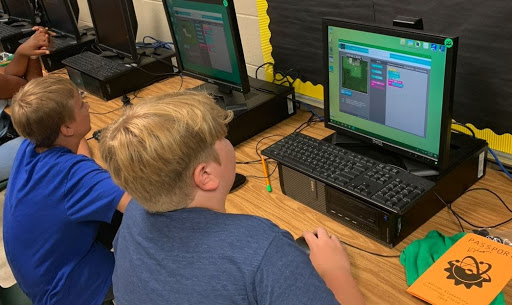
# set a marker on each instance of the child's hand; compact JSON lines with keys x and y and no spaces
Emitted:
{"x":326,"y":253}
{"x":37,"y":44}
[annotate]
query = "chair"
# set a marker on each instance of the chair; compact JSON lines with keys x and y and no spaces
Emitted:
{"x":13,"y":296}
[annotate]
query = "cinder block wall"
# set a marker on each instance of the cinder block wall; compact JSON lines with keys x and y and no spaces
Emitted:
{"x":152,"y":21}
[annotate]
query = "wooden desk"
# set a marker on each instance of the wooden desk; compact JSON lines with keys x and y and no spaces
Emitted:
{"x":382,"y":280}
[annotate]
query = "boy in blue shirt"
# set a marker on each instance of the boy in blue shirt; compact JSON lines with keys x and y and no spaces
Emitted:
{"x":178,"y":245}
{"x":24,"y":67}
{"x":57,"y":199}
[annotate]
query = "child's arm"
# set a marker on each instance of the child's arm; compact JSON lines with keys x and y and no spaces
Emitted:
{"x":9,"y":85}
{"x":332,"y":264}
{"x":83,"y":149}
{"x":34,"y":69}
{"x":36,"y":45}
{"x":123,"y":203}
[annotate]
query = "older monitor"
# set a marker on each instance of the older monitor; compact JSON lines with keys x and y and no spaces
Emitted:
{"x":61,"y":17}
{"x":207,"y":41}
{"x":115,"y":24}
{"x":391,"y":87}
{"x":20,"y":10}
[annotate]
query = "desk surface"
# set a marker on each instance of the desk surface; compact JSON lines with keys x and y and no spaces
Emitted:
{"x":382,"y":280}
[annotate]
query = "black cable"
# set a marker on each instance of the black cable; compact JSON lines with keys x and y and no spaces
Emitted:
{"x":451,"y":210}
{"x":161,"y":60}
{"x":488,"y":190}
{"x":95,"y":47}
{"x":263,"y":177}
{"x":156,"y":74}
{"x":103,"y":113}
{"x":252,"y":161}
{"x":458,"y":216}
{"x":261,"y":66}
{"x":308,"y":123}
{"x":181,"y":85}
{"x":284,"y":77}
{"x":257,"y":144}
{"x":369,"y":252}
{"x":465,"y":126}
{"x":507,"y":167}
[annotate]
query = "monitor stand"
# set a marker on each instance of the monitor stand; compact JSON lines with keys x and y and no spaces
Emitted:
{"x":225,"y":97}
{"x":381,"y":155}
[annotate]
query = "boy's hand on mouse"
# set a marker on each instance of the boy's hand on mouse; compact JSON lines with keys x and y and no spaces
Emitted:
{"x":326,"y":253}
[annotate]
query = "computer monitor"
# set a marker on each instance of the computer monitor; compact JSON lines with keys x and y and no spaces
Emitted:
{"x":20,"y":10}
{"x":207,"y":42}
{"x":61,"y":17}
{"x":115,"y":24}
{"x":390,"y":86}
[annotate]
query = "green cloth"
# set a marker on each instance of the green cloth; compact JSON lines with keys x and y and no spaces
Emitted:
{"x":422,"y":253}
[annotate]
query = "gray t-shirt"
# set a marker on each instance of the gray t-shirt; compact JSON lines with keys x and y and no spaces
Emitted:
{"x":198,"y":256}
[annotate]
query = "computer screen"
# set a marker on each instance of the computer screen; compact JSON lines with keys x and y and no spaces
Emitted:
{"x":115,"y":25}
{"x":207,"y":42}
{"x":390,"y":86}
{"x":21,"y":10}
{"x":61,"y":17}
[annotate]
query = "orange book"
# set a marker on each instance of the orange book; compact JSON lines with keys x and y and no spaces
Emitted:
{"x":473,"y":271}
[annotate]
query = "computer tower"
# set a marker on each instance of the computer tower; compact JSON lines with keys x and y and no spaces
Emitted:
{"x":468,"y":157}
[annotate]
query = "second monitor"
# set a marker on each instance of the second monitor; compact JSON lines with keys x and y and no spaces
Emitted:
{"x":208,"y":47}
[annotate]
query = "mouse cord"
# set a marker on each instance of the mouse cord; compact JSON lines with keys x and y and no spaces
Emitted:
{"x":459,"y":217}
{"x":369,"y":252}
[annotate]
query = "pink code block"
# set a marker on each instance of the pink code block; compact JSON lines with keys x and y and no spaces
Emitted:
{"x":377,"y":84}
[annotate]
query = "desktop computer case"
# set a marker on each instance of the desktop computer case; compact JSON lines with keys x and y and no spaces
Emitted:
{"x":269,"y":104}
{"x":127,"y":82}
{"x":467,"y":165}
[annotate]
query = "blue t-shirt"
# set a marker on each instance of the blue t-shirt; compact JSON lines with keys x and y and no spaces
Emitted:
{"x":198,"y":256}
{"x":54,"y":205}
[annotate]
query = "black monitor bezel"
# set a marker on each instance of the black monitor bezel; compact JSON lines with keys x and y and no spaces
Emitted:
{"x":32,"y":18}
{"x":133,"y":55}
{"x":449,"y":84}
{"x":239,"y":53}
{"x":71,"y":16}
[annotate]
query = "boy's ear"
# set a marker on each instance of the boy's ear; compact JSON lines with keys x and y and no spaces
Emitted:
{"x":204,"y":177}
{"x":67,"y":130}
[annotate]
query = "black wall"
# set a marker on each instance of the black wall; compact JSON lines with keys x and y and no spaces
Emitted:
{"x":483,"y":85}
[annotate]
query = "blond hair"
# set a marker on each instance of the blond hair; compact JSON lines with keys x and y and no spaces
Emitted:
{"x":153,"y":148}
{"x":41,"y":107}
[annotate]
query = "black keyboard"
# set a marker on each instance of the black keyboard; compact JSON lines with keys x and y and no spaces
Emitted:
{"x":96,"y":66}
{"x":57,"y":43}
{"x":387,"y":186}
{"x":6,"y":30}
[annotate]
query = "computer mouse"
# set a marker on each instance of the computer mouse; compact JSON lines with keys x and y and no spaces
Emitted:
{"x":239,"y":181}
{"x":301,"y":241}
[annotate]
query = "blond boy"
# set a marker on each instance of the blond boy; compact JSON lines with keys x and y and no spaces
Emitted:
{"x":57,"y":199}
{"x":177,"y":245}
